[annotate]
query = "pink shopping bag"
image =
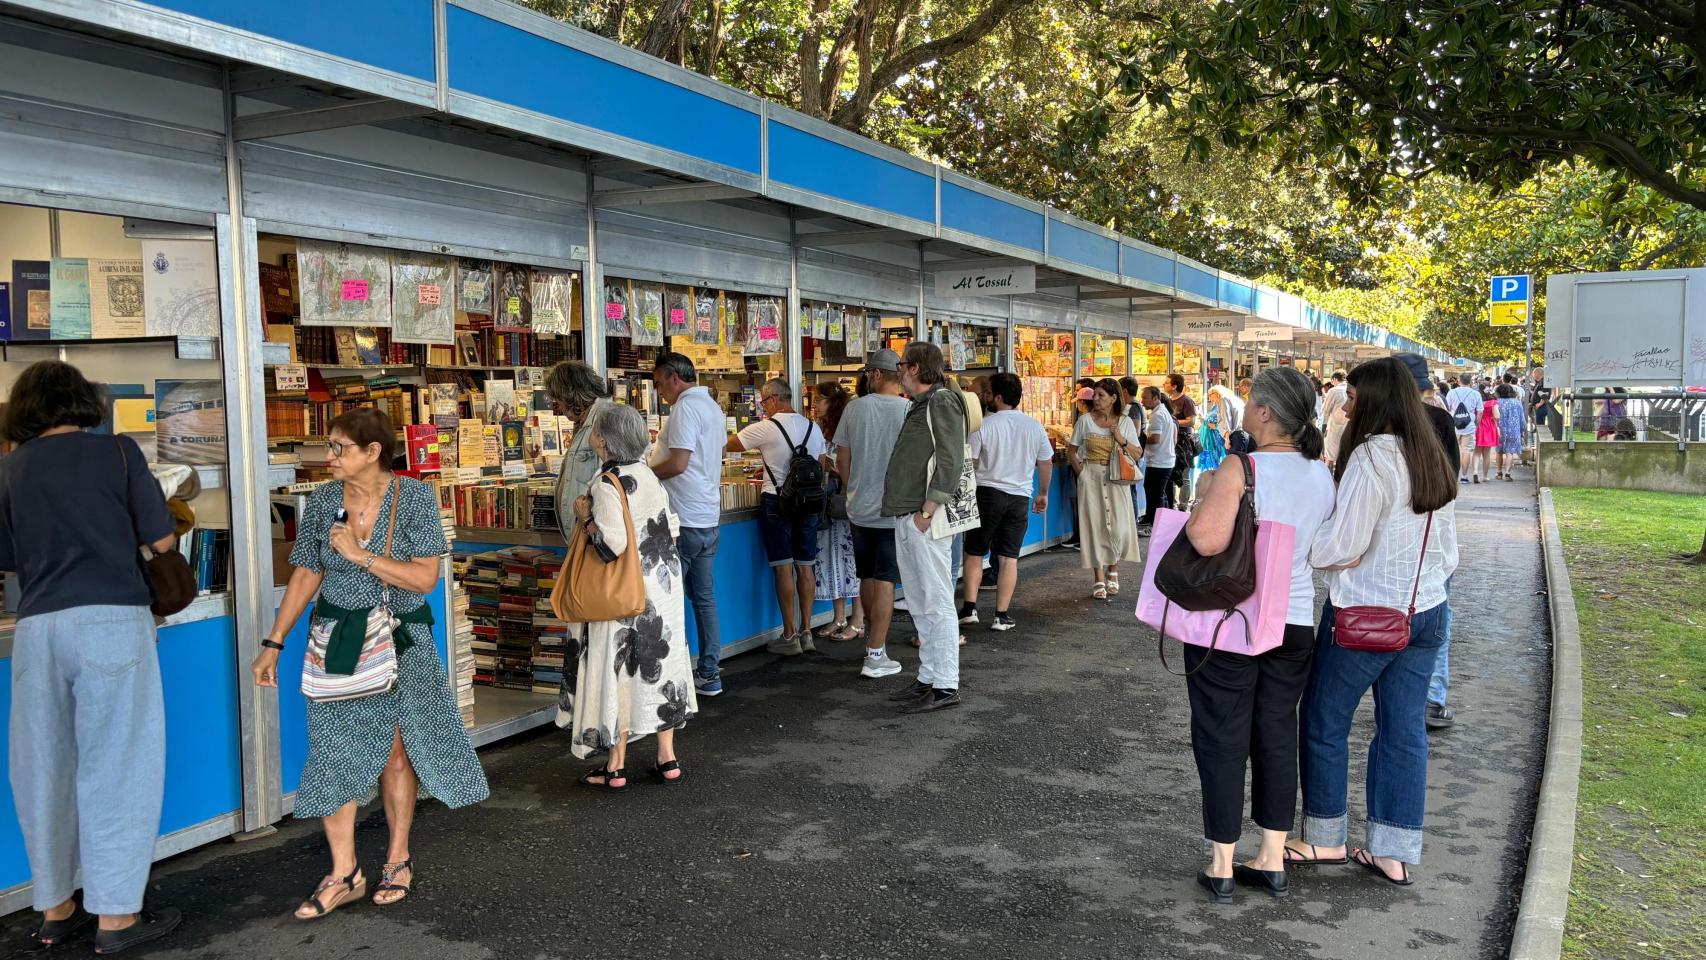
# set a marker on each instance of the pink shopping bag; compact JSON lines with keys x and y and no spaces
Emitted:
{"x":1257,"y":626}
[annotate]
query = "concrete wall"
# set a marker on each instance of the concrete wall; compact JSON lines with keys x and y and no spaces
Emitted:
{"x":1633,"y":465}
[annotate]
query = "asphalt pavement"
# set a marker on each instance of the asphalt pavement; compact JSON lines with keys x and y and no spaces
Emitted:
{"x":1055,"y":814}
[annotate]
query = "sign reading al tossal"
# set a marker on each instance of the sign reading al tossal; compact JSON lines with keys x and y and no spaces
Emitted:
{"x":986,"y":282}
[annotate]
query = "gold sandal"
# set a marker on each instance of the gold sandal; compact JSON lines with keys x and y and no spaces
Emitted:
{"x":355,"y":892}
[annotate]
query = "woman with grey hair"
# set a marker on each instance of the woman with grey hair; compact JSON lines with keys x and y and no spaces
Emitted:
{"x":573,"y":387}
{"x":631,"y":677}
{"x":1244,"y":709}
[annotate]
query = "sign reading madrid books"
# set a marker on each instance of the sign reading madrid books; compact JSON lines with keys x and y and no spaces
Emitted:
{"x":986,"y":282}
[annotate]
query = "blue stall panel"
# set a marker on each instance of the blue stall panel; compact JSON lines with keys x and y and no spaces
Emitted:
{"x":198,"y":668}
{"x":1235,"y":294}
{"x":1083,"y":246}
{"x":393,"y":35}
{"x":1200,"y":282}
{"x":1149,"y":267}
{"x":293,"y":706}
{"x":511,"y":66}
{"x":810,"y":162}
{"x":986,"y":216}
{"x":1056,"y":520}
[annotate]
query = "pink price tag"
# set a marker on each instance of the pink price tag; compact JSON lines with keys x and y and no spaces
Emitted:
{"x":428,"y":295}
{"x":768,"y":333}
{"x":678,"y":317}
{"x":355,"y":290}
{"x":614,"y":311}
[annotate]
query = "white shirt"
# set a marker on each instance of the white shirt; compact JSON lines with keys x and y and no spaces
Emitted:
{"x":1471,"y":400}
{"x":1161,"y":454}
{"x":1007,"y":448}
{"x":1297,"y":492}
{"x":696,"y":424}
{"x":766,"y":437}
{"x":1374,"y":527}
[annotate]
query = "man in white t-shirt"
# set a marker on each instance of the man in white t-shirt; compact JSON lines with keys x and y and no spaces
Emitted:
{"x":1013,"y":455}
{"x":689,"y":461}
{"x":1158,"y":444}
{"x":789,"y":541}
{"x":1464,"y":405}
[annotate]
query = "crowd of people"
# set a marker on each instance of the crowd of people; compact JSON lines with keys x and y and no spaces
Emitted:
{"x":858,"y":498}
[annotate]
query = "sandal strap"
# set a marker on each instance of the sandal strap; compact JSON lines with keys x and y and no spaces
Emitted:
{"x":389,"y":872}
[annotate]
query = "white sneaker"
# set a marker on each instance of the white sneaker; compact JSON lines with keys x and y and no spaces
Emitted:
{"x":875,"y":669}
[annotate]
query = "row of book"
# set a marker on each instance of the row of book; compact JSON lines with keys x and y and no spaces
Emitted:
{"x":500,"y":505}
{"x":209,"y":555}
{"x":462,"y":665}
{"x":516,"y":641}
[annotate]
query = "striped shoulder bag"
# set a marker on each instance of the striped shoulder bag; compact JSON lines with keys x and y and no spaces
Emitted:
{"x":376,"y":670}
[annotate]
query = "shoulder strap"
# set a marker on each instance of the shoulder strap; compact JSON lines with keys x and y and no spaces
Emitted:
{"x":1417,"y":588}
{"x":396,"y":504}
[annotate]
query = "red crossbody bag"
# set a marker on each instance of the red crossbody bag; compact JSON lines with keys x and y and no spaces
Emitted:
{"x":1381,"y":629}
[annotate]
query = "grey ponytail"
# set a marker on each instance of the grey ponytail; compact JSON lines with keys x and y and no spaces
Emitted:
{"x":1291,"y":397}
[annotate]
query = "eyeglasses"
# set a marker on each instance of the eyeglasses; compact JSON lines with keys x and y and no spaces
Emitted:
{"x":337,"y":447}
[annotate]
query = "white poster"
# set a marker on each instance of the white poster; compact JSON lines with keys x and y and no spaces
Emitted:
{"x":115,"y":299}
{"x":423,"y":304}
{"x":180,"y":288}
{"x":344,"y":285}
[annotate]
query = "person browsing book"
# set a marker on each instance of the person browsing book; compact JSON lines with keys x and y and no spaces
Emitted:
{"x":690,"y":466}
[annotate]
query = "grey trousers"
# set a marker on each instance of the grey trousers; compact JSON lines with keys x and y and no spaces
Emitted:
{"x":88,"y":753}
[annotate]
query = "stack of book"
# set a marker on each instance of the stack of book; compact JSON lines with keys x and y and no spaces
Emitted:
{"x":552,"y":641}
{"x":462,"y":632}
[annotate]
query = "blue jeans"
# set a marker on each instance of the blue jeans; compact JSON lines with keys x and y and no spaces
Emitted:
{"x":1439,"y":683}
{"x":1397,"y":781}
{"x":698,"y":549}
{"x":88,"y":753}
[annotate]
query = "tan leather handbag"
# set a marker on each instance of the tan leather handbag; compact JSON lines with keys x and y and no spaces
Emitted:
{"x":589,"y":590}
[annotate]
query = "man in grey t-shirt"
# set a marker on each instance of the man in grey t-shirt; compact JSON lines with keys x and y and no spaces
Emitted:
{"x":864,"y":440}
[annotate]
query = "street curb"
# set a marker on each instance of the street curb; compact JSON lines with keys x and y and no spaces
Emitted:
{"x":1539,"y":933}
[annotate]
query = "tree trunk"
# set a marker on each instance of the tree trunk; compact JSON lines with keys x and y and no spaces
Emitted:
{"x":1699,"y":558}
{"x":715,"y":31}
{"x":664,"y":34}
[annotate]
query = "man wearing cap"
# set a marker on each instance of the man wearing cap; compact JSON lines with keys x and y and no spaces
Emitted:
{"x":863,"y":442}
{"x":1445,"y":428}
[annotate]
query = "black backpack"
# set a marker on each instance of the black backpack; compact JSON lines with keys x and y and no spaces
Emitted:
{"x":1461,"y":416}
{"x":804,"y":493}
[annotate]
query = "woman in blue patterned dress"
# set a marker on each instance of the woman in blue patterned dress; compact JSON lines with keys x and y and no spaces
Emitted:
{"x":1510,"y":428}
{"x":401,"y":744}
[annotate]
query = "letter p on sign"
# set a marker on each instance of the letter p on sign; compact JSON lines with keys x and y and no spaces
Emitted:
{"x":1510,"y":289}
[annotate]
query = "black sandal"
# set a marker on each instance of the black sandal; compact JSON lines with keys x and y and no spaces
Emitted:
{"x":670,"y":767}
{"x":388,"y":882}
{"x":55,"y":932}
{"x":1295,"y":859}
{"x":356,"y":892}
{"x":1365,"y":860}
{"x":598,"y":778}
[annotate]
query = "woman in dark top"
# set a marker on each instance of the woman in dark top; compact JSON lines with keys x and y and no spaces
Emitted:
{"x":408,"y":741}
{"x":88,"y":714}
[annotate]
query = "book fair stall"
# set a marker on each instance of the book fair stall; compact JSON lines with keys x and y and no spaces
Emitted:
{"x":263,"y":221}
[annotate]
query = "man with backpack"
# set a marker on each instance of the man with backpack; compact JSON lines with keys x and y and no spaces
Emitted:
{"x":1464,"y":405}
{"x":788,"y":508}
{"x":923,"y":475}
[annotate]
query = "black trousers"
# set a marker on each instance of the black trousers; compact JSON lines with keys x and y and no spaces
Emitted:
{"x":1156,"y":493}
{"x":1244,"y":711}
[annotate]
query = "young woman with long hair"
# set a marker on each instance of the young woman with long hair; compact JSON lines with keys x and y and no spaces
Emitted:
{"x":1391,"y":542}
{"x":837,"y":580}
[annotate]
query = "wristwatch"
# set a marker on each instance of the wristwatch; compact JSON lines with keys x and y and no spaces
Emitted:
{"x":272,"y":644}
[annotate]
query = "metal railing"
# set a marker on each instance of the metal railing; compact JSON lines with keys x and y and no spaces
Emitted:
{"x":1599,"y":417}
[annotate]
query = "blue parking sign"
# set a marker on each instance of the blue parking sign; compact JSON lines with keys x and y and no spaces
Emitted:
{"x":1510,"y":289}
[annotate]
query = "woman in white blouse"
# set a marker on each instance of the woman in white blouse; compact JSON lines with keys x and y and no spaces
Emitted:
{"x":1392,"y":542}
{"x":1107,"y":528}
{"x":1244,"y":709}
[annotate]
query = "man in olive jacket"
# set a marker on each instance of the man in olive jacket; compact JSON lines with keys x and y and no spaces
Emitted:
{"x":913,"y":491}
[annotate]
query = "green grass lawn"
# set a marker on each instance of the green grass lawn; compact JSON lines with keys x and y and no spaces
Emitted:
{"x":1639,"y":884}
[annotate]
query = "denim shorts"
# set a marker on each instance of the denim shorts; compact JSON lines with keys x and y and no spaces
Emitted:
{"x":787,"y":540}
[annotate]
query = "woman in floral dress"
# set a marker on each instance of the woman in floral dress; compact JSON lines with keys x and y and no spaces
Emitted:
{"x":837,"y":579}
{"x":633,"y":676}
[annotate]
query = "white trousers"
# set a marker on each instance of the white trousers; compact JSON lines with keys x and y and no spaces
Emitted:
{"x":926,"y":571}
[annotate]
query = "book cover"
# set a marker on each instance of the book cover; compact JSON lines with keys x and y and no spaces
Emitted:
{"x":678,"y":310}
{"x":470,"y":443}
{"x":553,"y":300}
{"x":367,"y":349}
{"x":32,"y":304}
{"x":347,"y":353}
{"x":648,"y":310}
{"x":189,"y":421}
{"x":5,"y":311}
{"x":513,"y":301}
{"x":344,"y":284}
{"x":69,"y":297}
{"x":276,"y":300}
{"x":514,"y":441}
{"x":423,"y":304}
{"x":474,"y":287}
{"x":115,"y":299}
{"x":500,"y":400}
{"x":423,"y":447}
{"x":180,"y":288}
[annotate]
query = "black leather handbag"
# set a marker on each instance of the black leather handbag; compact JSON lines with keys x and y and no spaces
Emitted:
{"x":171,"y":585}
{"x":1228,"y":578}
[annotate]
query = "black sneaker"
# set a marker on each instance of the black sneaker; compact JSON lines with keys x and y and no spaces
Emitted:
{"x":1002,"y":622}
{"x":968,"y":613}
{"x":938,"y":700}
{"x":914,"y":691}
{"x":149,"y":926}
{"x":1440,"y":716}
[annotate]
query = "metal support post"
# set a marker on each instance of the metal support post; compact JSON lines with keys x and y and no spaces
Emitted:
{"x":592,"y":286}
{"x":792,"y":329}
